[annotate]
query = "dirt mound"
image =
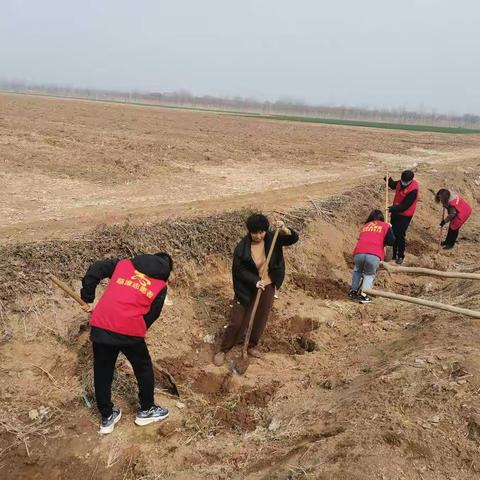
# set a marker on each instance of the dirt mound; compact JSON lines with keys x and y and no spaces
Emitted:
{"x":191,"y":241}
{"x":24,"y":266}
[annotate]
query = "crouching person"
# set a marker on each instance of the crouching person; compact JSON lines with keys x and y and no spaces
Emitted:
{"x":249,"y":273}
{"x":368,"y":253}
{"x":459,"y":212}
{"x":130,"y":304}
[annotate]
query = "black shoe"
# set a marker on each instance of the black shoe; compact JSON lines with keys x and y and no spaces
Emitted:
{"x":363,"y":298}
{"x":447,"y":247}
{"x":399,"y":261}
{"x":353,"y":294}
{"x":443,"y":243}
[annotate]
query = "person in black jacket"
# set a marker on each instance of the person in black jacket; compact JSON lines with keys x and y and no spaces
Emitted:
{"x":402,"y":210}
{"x":130,"y":304}
{"x":249,"y":273}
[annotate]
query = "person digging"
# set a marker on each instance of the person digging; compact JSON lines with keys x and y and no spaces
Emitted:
{"x":250,"y":273}
{"x":403,"y":208}
{"x":132,"y":301}
{"x":458,"y":212}
{"x":369,"y":252}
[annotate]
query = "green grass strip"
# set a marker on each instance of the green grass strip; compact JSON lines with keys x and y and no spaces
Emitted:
{"x":361,"y":123}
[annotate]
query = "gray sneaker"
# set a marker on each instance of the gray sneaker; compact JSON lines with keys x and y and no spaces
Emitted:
{"x":108,"y":424}
{"x":154,"y":414}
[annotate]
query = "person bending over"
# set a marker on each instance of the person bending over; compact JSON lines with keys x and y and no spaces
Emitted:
{"x":369,"y":252}
{"x":458,"y":212}
{"x":130,"y":304}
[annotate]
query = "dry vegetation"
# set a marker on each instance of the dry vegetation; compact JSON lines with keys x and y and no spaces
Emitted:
{"x":344,"y":391}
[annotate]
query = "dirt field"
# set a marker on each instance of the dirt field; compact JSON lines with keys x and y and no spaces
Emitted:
{"x":344,"y":391}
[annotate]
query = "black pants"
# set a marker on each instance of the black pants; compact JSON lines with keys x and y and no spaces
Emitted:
{"x":104,"y":359}
{"x":452,"y":236}
{"x":399,"y":226}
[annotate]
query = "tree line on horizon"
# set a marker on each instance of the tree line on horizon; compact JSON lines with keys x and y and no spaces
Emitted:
{"x":291,"y":107}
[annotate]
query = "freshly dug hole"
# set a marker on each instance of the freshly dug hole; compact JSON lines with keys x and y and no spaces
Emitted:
{"x":319,"y":287}
{"x":291,"y":335}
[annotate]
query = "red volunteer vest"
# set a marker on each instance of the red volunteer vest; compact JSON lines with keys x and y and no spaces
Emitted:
{"x":371,"y":239}
{"x":127,"y":298}
{"x":464,"y":210}
{"x":401,"y":194}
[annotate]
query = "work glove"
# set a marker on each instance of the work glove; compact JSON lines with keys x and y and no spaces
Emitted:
{"x":442,"y":223}
{"x":261,"y":285}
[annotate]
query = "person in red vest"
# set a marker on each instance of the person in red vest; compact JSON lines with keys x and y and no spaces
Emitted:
{"x":130,"y":304}
{"x":402,"y":210}
{"x":368,"y":253}
{"x":458,"y":213}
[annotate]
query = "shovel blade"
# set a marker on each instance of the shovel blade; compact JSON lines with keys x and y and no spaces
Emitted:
{"x":240,"y":365}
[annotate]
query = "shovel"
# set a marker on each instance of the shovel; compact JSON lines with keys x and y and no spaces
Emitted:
{"x":440,"y":234}
{"x":166,"y":380}
{"x":241,"y":364}
{"x":388,"y":249}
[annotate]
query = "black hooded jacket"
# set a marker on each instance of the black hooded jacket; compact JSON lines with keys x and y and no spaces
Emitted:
{"x":150,"y":265}
{"x":244,"y":271}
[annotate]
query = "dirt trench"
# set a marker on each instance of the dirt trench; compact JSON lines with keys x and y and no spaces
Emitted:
{"x":339,"y":384}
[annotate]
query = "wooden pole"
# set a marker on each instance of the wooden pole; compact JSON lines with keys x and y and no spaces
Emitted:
{"x":386,"y":196}
{"x":388,"y":249}
{"x":428,"y":271}
{"x":421,"y":301}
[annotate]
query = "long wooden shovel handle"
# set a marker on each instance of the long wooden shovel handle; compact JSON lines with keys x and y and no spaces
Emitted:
{"x":386,"y":196}
{"x":421,"y":301}
{"x":257,"y":299}
{"x":67,"y":290}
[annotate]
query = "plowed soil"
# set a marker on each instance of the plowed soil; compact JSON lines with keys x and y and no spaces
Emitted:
{"x":343,"y":391}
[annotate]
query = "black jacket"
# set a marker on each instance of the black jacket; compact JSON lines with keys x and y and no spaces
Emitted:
{"x":150,"y":265}
{"x":407,"y":201}
{"x":244,"y":271}
{"x":389,"y":238}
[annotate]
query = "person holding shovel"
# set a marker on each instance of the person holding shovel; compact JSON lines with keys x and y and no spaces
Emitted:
{"x":249,"y":273}
{"x":403,"y":208}
{"x":130,"y":304}
{"x":369,"y":252}
{"x":458,"y":212}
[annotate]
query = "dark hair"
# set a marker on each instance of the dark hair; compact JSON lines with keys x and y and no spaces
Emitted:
{"x":442,"y":195}
{"x":375,"y":215}
{"x":257,"y":223}
{"x":166,"y":257}
{"x":407,"y":176}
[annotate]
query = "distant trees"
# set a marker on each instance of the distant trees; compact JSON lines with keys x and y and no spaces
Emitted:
{"x":284,"y":106}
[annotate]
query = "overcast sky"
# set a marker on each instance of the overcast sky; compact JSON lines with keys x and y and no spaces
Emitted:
{"x":378,"y":53}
